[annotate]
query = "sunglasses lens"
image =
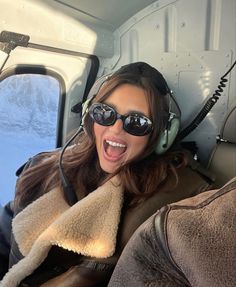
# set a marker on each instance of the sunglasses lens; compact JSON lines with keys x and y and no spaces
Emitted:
{"x":137,"y":125}
{"x":103,"y":114}
{"x":134,"y":124}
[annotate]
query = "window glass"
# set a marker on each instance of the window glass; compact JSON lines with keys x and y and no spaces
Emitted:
{"x":28,"y":123}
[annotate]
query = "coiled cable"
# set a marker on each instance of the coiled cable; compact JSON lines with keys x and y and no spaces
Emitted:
{"x":206,"y":108}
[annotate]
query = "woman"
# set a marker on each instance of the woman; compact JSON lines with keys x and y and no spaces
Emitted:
{"x":118,"y":180}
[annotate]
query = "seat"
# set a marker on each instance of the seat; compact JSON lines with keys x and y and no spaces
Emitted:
{"x":222,"y":161}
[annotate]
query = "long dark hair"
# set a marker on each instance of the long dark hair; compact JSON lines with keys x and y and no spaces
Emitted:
{"x":140,"y":178}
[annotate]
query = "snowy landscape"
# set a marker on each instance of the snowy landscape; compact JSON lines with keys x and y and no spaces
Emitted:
{"x":28,"y":118}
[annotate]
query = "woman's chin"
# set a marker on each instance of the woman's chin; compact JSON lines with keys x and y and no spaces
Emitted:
{"x":109,"y":166}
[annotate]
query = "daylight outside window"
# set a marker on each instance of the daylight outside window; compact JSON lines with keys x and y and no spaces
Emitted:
{"x":28,"y":124}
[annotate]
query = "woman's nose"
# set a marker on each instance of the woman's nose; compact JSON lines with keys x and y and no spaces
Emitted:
{"x":117,"y":127}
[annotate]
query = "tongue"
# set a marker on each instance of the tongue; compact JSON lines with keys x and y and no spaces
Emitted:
{"x":115,"y":151}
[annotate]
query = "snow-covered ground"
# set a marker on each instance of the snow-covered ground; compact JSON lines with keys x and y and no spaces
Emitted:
{"x":28,"y":117}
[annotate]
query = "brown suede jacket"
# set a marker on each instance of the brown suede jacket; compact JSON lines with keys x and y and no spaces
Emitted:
{"x":188,"y":243}
{"x":54,"y":261}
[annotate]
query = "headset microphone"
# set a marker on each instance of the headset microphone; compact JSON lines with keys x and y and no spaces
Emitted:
{"x":69,"y":191}
{"x":67,"y":186}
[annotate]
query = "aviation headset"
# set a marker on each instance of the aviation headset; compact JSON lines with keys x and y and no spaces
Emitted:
{"x":166,"y":137}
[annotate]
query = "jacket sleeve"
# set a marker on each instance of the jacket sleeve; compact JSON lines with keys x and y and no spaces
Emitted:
{"x":6,"y":215}
{"x":144,"y":261}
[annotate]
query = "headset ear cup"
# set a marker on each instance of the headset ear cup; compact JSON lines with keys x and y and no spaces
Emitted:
{"x":85,"y":107}
{"x":92,"y":93}
{"x":166,"y":140}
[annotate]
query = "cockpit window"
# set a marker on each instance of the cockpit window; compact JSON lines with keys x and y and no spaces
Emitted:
{"x":28,"y":123}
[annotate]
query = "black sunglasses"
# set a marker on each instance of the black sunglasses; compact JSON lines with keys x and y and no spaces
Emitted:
{"x":135,"y":124}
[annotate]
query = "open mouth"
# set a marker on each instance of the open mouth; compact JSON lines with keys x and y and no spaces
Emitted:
{"x":114,"y":150}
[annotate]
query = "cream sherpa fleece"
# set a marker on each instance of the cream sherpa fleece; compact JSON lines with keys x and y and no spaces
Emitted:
{"x":89,"y":228}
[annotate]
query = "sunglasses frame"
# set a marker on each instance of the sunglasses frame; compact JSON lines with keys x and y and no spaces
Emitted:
{"x":122,"y":117}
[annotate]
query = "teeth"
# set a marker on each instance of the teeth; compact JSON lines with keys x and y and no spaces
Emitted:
{"x":115,"y":144}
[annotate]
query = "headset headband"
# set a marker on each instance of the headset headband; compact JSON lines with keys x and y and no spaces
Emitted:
{"x":144,"y":70}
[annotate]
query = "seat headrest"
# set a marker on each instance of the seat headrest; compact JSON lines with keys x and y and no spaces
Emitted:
{"x":229,"y":125}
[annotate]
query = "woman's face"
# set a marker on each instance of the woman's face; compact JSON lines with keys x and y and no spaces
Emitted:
{"x":114,"y":145}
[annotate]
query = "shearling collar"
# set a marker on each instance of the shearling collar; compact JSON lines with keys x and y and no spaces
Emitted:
{"x":89,"y":228}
